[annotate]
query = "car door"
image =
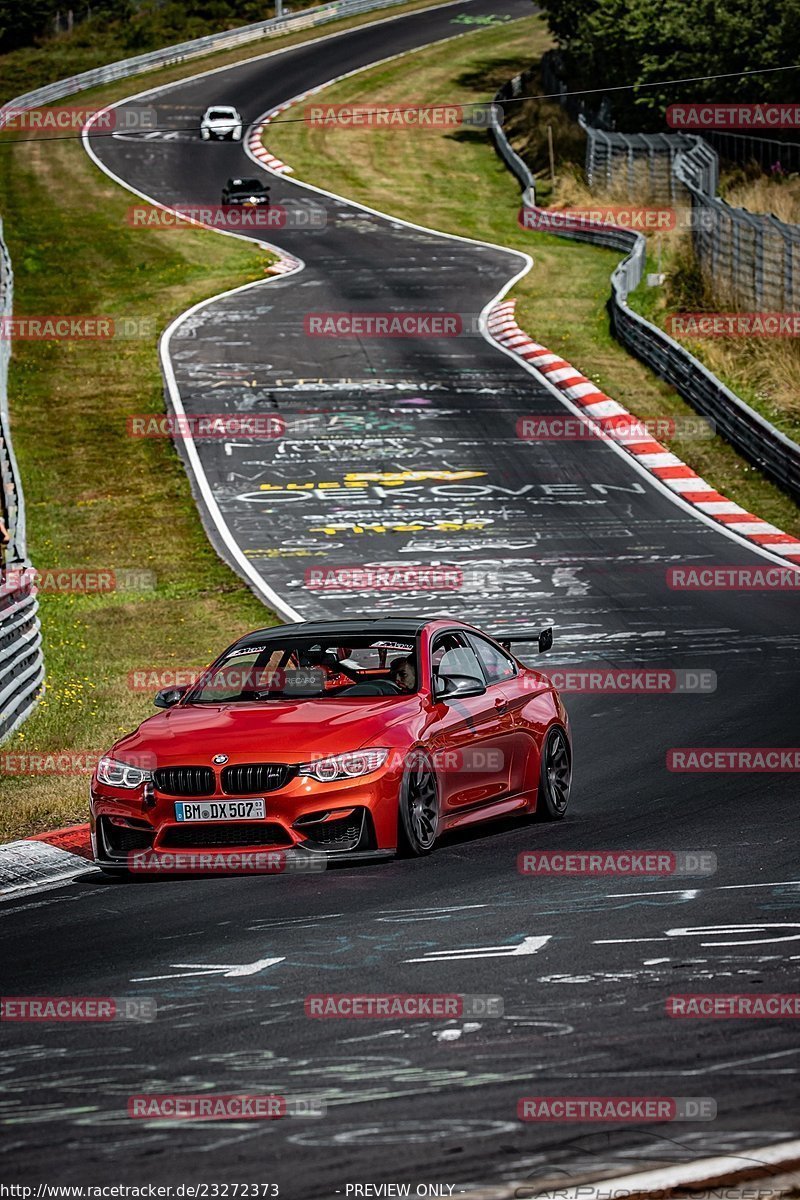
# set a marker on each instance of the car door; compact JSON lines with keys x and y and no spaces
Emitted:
{"x":506,"y":684}
{"x":467,"y":734}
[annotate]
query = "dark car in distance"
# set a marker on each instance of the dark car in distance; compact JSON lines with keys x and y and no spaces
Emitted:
{"x":245,"y":191}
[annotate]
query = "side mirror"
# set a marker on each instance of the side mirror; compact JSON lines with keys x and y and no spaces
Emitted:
{"x":458,"y":687}
{"x":169,"y":697}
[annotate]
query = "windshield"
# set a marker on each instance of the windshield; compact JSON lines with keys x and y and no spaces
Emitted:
{"x":357,"y":665}
{"x":221,"y":114}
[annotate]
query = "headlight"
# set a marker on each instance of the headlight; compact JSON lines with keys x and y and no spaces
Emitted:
{"x":344,"y":766}
{"x":119,"y":774}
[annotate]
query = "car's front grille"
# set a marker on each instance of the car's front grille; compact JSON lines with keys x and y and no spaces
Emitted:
{"x":250,"y":779}
{"x":237,"y":833}
{"x":185,"y":781}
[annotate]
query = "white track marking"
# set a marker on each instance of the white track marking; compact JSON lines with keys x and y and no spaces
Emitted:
{"x":227,"y":970}
{"x":254,"y":577}
{"x":657,"y":483}
{"x":528,"y":945}
{"x":719,"y":887}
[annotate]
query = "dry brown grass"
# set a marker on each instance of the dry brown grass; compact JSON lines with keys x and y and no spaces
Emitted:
{"x":779,"y":196}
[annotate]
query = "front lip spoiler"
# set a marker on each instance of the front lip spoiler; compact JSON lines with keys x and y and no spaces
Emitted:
{"x":293,"y":853}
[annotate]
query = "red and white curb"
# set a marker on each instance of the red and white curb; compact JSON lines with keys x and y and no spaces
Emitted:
{"x":259,"y":150}
{"x":47,"y":858}
{"x":286,"y":263}
{"x":617,"y":424}
{"x":255,"y":138}
{"x":604,"y":412}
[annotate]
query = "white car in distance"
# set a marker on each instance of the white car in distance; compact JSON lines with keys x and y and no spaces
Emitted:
{"x":221,"y":122}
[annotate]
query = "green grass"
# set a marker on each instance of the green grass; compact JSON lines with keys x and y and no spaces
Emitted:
{"x":764,"y":372}
{"x":88,"y":47}
{"x":452,"y":180}
{"x":95,"y":497}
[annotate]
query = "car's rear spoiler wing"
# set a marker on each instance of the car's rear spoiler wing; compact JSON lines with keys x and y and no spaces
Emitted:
{"x":541,"y":634}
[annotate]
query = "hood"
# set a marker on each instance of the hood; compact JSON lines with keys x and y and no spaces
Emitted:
{"x":267,"y":731}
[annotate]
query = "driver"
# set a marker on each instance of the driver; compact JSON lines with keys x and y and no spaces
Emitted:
{"x":403,"y":673}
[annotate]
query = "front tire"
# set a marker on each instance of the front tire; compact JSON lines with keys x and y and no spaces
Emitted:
{"x":555,"y":776}
{"x":418,"y":816}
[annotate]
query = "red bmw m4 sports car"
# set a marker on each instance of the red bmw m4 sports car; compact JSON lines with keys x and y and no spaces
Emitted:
{"x":340,"y":739}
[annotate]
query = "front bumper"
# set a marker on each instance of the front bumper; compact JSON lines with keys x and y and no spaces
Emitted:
{"x":331,"y":820}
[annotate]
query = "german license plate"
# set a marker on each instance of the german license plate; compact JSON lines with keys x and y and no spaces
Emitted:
{"x":219,"y":810}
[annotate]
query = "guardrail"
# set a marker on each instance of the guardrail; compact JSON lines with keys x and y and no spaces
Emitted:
{"x":127,"y":67}
{"x":750,"y":259}
{"x":21,"y":659}
{"x":753,"y":436}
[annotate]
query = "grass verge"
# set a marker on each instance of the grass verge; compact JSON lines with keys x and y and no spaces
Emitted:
{"x":95,"y":497}
{"x":32,"y":67}
{"x":764,"y":372}
{"x":452,"y":180}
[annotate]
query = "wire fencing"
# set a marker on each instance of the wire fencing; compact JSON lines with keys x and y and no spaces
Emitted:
{"x":753,"y":436}
{"x":21,"y":659}
{"x":751,"y":261}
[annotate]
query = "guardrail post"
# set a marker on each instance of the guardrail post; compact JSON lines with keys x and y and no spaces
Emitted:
{"x":696,"y":164}
{"x":788,"y":281}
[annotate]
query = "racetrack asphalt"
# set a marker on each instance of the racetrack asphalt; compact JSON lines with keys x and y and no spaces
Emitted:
{"x":567,"y":531}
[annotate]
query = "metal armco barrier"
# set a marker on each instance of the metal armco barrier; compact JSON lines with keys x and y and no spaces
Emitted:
{"x":753,"y":259}
{"x":753,"y":436}
{"x":127,"y":67}
{"x":21,"y":659}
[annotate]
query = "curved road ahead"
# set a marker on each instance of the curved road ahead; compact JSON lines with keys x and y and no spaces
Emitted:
{"x":568,"y":531}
